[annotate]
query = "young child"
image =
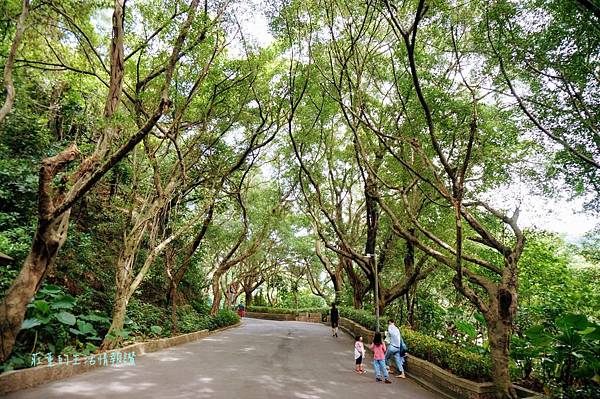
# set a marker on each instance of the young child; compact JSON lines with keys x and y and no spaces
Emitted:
{"x":378,"y":348}
{"x":359,"y":354}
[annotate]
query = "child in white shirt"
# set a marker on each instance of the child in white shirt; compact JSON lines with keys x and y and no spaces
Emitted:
{"x":359,"y":354}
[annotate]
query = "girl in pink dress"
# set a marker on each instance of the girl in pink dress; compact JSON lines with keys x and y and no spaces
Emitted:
{"x":378,"y":348}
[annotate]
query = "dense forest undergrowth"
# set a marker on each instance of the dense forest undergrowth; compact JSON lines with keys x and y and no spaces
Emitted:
{"x":160,"y":164}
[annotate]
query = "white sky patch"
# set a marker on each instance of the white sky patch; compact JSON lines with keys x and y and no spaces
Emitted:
{"x":102,"y":21}
{"x":234,"y":137}
{"x":267,"y":171}
{"x":254,"y":26}
{"x":301,"y":232}
{"x":552,"y":214}
{"x":559,"y":216}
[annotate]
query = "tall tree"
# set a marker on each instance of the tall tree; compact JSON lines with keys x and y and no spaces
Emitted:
{"x":55,"y":201}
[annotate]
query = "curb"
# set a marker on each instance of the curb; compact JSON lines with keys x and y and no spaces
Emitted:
{"x":17,"y":380}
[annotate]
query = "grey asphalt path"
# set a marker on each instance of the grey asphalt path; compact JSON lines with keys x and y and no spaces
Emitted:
{"x":259,"y":359}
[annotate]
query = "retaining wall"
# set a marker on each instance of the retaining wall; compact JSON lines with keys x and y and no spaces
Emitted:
{"x":306,"y":317}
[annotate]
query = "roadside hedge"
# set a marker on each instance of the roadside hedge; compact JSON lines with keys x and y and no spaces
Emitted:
{"x":223,"y":318}
{"x":190,"y":321}
{"x":465,"y":364}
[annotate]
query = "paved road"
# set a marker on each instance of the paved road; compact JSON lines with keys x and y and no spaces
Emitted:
{"x":259,"y":359}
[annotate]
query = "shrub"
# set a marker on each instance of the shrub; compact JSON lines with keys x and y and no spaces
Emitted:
{"x":461,"y":362}
{"x":224,"y":318}
{"x":141,"y":316}
{"x":189,"y":320}
{"x":361,"y":317}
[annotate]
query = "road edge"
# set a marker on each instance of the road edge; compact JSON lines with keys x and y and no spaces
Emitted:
{"x":17,"y":380}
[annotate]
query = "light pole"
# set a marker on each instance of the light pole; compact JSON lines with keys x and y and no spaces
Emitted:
{"x":374,"y":261}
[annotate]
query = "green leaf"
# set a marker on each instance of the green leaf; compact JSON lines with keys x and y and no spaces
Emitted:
{"x":95,"y":317}
{"x":123,"y":333}
{"x":479,"y":317}
{"x":50,"y":289}
{"x":587,"y":331}
{"x":156,"y":329}
{"x":85,"y":327}
{"x":66,"y":318}
{"x":63,"y":302}
{"x":30,"y":323}
{"x":41,"y":306}
{"x":466,"y":328}
{"x":570,"y":321}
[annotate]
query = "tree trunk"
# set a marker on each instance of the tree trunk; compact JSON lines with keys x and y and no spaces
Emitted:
{"x":48,"y":239}
{"x":216,"y":289}
{"x":118,"y":320}
{"x":499,"y":334}
{"x":357,"y":299}
{"x":123,"y":280}
{"x":10,"y":61}
{"x":359,"y":289}
{"x":382,"y":307}
{"x":173,"y":301}
{"x":338,"y":278}
{"x":411,"y":299}
{"x":248,"y":298}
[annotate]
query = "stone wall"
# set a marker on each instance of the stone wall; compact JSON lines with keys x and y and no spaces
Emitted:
{"x":271,"y":316}
{"x":309,"y":317}
{"x":306,"y":317}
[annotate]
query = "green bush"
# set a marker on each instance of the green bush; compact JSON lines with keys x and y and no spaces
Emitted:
{"x":141,"y":316}
{"x":189,"y":320}
{"x":224,"y":318}
{"x":53,"y":325}
{"x":461,"y":362}
{"x":361,"y":317}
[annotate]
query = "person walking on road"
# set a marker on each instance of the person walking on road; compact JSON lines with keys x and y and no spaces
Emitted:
{"x":378,"y":348}
{"x":359,"y":354}
{"x":335,"y":318}
{"x":241,"y":310}
{"x":395,"y":348}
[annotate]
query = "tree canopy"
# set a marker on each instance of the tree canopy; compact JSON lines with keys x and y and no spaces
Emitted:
{"x":157,"y":165}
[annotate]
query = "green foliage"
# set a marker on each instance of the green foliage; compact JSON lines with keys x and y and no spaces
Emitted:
{"x":52,"y":326}
{"x":299,"y":298}
{"x":364,"y":318}
{"x":157,"y":330}
{"x":142,"y":316}
{"x":188,"y":320}
{"x":224,"y":318}
{"x":459,"y":361}
{"x":567,"y":352}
